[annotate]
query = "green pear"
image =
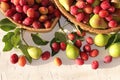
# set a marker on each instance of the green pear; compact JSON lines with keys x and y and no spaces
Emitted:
{"x":66,"y":4}
{"x":96,"y":3}
{"x":114,"y":50}
{"x":97,"y":22}
{"x":34,"y":52}
{"x":101,"y":40}
{"x":72,"y":52}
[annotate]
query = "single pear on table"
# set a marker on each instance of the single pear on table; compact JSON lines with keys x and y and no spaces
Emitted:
{"x":97,"y":22}
{"x":72,"y":52}
{"x":101,"y":40}
{"x":114,"y":50}
{"x":66,"y":4}
{"x":34,"y":52}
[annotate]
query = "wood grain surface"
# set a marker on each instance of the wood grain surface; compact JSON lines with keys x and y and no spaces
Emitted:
{"x":46,"y":70}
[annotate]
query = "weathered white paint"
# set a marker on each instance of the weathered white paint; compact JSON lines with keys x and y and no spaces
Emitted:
{"x":46,"y":70}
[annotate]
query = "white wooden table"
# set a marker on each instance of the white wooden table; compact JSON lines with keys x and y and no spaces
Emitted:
{"x":46,"y":70}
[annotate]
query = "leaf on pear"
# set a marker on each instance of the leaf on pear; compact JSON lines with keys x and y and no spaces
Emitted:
{"x":38,"y":40}
{"x":23,"y":48}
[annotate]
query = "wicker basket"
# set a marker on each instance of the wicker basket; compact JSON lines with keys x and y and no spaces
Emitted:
{"x":42,"y":30}
{"x":82,"y":25}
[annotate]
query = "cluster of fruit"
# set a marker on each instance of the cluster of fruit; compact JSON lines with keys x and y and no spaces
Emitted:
{"x":96,"y":13}
{"x":36,"y":14}
{"x":21,"y":60}
{"x":77,"y":51}
{"x":83,"y":52}
{"x":113,"y":46}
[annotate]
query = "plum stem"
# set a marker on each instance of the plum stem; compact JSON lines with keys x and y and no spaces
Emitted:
{"x":60,"y":26}
{"x":23,"y":37}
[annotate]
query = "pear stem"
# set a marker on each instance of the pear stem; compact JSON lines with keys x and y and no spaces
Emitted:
{"x":23,"y":37}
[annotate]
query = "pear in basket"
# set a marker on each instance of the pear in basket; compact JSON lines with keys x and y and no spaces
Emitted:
{"x":66,"y":4}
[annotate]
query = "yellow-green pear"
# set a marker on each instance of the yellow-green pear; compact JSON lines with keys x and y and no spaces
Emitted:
{"x":101,"y":40}
{"x":34,"y":52}
{"x":66,"y":4}
{"x":97,"y":22}
{"x":114,"y":50}
{"x":72,"y":52}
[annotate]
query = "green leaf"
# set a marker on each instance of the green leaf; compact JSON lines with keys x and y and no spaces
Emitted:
{"x":8,"y":36}
{"x":15,"y":40}
{"x":23,"y":48}
{"x":17,"y":31}
{"x":117,"y":38}
{"x":38,"y":40}
{"x":7,"y":25}
{"x":111,"y":40}
{"x":60,"y":36}
{"x":5,"y":20}
{"x":54,"y":53}
{"x":8,"y":46}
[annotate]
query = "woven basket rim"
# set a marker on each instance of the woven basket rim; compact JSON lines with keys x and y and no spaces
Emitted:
{"x":42,"y":30}
{"x":82,"y":25}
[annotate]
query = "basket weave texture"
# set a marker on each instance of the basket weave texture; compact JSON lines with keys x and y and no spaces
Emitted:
{"x":42,"y":30}
{"x":82,"y":25}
